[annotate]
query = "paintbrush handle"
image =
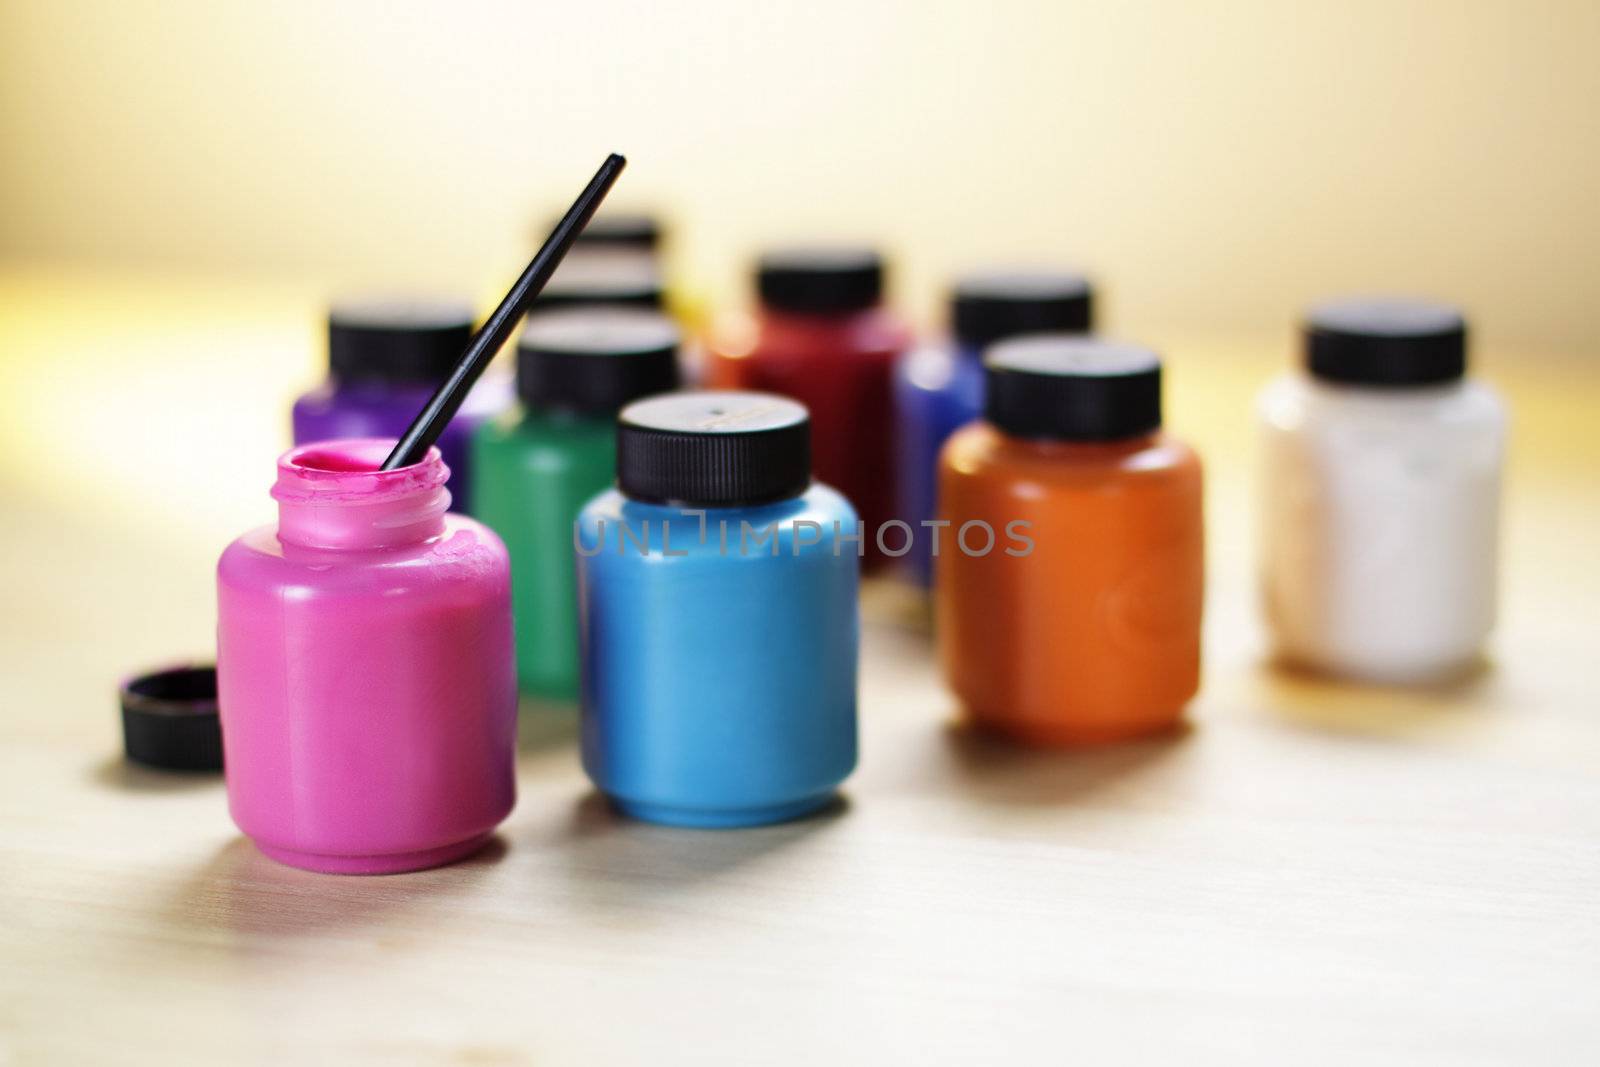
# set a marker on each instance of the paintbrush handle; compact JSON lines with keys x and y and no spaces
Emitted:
{"x":446,"y":401}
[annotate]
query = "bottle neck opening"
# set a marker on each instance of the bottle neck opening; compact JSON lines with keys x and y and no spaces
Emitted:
{"x":332,"y":494}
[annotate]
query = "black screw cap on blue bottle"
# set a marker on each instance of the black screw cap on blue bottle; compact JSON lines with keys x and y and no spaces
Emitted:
{"x":714,"y":449}
{"x":820,"y":281}
{"x":1386,"y":341}
{"x":592,"y":361}
{"x":396,"y":339}
{"x":1068,"y":387}
{"x":992,"y":305}
{"x":170,"y":720}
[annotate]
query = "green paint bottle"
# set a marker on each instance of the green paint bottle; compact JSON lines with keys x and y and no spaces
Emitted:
{"x":537,"y":465}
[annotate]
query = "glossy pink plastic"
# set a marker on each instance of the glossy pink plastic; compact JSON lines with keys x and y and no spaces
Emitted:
{"x":365,"y":669}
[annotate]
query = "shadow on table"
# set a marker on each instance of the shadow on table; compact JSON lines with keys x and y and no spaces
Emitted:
{"x":243,"y":892}
{"x":118,"y":772}
{"x":1001,"y":771}
{"x":1308,"y":700}
{"x":623,"y":863}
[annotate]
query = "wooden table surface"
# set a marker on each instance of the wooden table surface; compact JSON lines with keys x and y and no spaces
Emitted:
{"x":1312,"y":873}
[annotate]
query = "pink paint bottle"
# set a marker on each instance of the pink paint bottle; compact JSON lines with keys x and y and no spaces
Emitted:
{"x":365,"y":668}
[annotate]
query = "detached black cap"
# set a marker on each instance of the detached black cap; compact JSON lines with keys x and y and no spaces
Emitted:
{"x":396,"y":340}
{"x":1072,"y":388}
{"x":714,"y":449}
{"x":619,"y":230}
{"x":613,"y":277}
{"x":820,"y":281}
{"x":994,"y":305}
{"x":592,"y":361}
{"x":1386,"y":342}
{"x":169,"y":719}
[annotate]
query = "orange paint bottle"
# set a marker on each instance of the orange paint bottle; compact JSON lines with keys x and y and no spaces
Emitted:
{"x":1081,"y":623}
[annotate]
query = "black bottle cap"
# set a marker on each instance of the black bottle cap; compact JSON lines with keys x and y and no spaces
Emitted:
{"x":169,"y":719}
{"x":592,"y":361}
{"x":396,"y":340}
{"x":613,"y":277}
{"x":714,"y":449}
{"x":1386,"y":341}
{"x":820,"y":281}
{"x":1070,"y":387}
{"x":994,"y":305}
{"x":621,"y":230}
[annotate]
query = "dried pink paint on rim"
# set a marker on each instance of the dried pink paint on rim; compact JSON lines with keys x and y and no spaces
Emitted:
{"x":348,"y":471}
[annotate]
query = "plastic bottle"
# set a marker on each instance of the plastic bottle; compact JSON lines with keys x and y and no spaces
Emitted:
{"x":1381,"y":495}
{"x":364,"y":663}
{"x":938,"y":388}
{"x":535,"y":466}
{"x":1068,"y":598}
{"x":718,"y":609}
{"x":385,"y":358}
{"x":823,"y":337}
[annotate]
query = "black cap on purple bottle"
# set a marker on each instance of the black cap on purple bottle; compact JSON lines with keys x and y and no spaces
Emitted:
{"x":820,"y":281}
{"x":1385,"y":341}
{"x":1069,"y":387}
{"x":594,"y":360}
{"x":398,"y":340}
{"x":992,"y":305}
{"x":714,"y":449}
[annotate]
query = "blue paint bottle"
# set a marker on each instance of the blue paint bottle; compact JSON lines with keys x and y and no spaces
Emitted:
{"x":939,"y":389}
{"x":718,"y":616}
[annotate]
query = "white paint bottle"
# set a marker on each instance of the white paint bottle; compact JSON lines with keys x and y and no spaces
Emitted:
{"x":1381,"y":495}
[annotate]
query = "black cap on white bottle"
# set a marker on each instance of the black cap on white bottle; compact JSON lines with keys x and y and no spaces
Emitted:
{"x":1385,"y":341}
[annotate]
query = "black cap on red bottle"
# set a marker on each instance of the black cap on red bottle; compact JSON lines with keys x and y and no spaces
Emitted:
{"x":169,"y":719}
{"x":714,"y":449}
{"x":399,"y":340}
{"x":595,"y":360}
{"x":1385,"y":341}
{"x":820,"y":281}
{"x":1069,"y":387}
{"x":993,"y":305}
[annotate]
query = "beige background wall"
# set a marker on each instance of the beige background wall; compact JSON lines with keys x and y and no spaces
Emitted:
{"x":1217,"y":164}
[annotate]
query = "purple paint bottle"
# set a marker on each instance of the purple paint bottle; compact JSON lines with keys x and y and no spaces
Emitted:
{"x":385,"y":358}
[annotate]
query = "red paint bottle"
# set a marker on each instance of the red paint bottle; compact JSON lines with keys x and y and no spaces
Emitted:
{"x":823,"y":337}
